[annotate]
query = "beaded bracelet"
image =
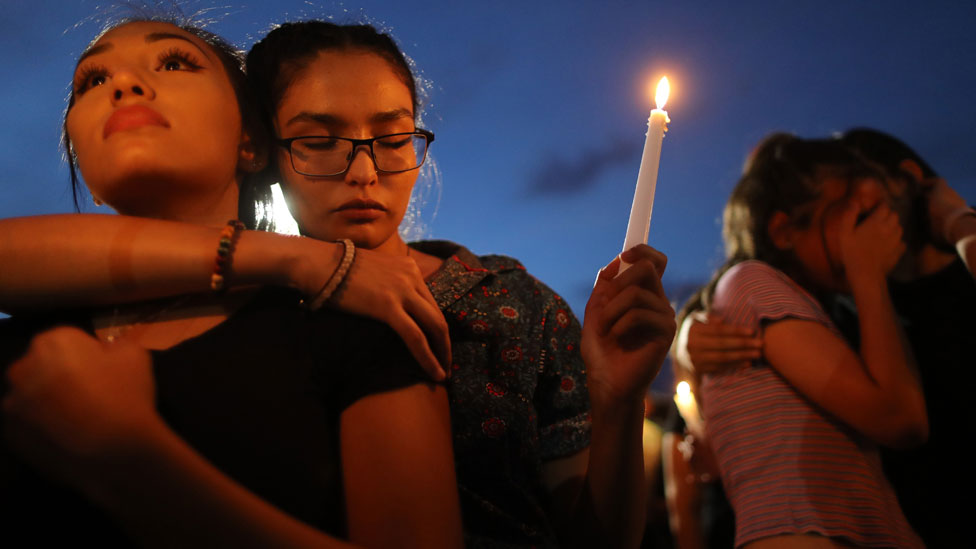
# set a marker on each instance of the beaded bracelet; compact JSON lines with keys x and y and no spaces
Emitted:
{"x":225,"y":253}
{"x":952,"y":219}
{"x":332,"y":284}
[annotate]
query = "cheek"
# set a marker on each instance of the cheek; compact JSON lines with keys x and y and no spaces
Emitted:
{"x":79,"y":128}
{"x":402,"y":187}
{"x":218,"y":118}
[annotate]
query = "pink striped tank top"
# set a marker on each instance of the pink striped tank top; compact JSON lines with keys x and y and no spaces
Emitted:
{"x":787,"y":466}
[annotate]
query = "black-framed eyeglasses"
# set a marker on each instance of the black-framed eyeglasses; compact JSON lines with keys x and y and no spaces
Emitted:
{"x":326,"y":155}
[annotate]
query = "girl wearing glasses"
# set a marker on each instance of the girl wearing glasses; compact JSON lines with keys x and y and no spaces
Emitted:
{"x":251,"y":422}
{"x":547,"y":452}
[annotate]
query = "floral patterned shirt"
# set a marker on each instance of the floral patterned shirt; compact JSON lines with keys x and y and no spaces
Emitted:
{"x":517,"y":392}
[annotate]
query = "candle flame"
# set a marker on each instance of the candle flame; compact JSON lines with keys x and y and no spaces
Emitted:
{"x":683,"y":389}
{"x":661,"y":97}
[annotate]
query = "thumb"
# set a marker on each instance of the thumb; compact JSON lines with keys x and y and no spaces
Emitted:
{"x":601,"y":286}
{"x":607,"y":273}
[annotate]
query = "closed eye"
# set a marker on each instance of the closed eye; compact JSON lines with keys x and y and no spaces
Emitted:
{"x":395,"y":142}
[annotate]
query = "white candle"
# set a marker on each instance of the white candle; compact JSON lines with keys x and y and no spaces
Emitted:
{"x":640,"y":210}
{"x":688,"y":407}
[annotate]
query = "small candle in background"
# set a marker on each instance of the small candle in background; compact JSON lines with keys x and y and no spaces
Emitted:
{"x":688,"y":407}
{"x":643,"y":205}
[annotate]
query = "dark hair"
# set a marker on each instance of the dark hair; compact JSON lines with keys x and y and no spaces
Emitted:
{"x":783,"y":174}
{"x":232,"y":60}
{"x":888,"y":152}
{"x":275,"y":61}
{"x":883,"y":149}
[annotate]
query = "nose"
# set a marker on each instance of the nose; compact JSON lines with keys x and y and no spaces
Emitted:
{"x":130,"y":84}
{"x":362,"y":169}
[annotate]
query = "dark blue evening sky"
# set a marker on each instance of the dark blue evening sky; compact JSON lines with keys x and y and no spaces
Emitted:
{"x":540,"y":107}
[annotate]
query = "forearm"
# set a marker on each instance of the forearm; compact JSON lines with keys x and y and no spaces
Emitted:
{"x":963,"y":237}
{"x":610,"y":510}
{"x":115,"y":259}
{"x":888,"y":359}
{"x":682,"y":494}
{"x":167,"y":495}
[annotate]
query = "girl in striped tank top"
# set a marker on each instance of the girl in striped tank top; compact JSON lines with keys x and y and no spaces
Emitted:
{"x":795,"y":432}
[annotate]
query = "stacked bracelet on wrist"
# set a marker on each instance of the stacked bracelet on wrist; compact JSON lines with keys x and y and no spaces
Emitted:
{"x":225,"y":254}
{"x":332,"y":284}
{"x":952,"y":219}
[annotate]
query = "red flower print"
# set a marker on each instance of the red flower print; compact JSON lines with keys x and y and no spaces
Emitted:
{"x":512,"y":354}
{"x":508,"y":312}
{"x":495,"y":390}
{"x":479,"y":326}
{"x":562,"y":318}
{"x":567,"y":385}
{"x":493,"y":427}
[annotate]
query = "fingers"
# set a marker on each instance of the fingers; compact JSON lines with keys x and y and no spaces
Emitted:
{"x":415,"y":339}
{"x":712,"y":346}
{"x":431,"y":321}
{"x":609,"y":272}
{"x":638,"y":327}
{"x":643,"y":251}
{"x":631,"y":298}
{"x":45,"y":349}
{"x":440,"y":336}
{"x":715,"y":325}
{"x":645,"y":271}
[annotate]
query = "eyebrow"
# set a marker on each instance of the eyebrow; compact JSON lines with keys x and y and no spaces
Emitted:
{"x":149,"y":38}
{"x":326,"y":119}
{"x":157,"y":36}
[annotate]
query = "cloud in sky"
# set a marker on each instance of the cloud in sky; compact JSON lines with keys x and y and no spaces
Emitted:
{"x":564,"y":173}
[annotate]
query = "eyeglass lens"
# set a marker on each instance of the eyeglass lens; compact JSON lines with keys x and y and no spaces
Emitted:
{"x":331,"y":156}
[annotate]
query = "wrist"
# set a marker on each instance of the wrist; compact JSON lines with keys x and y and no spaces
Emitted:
{"x":868,"y":288}
{"x":616,"y":410}
{"x":959,"y":224}
{"x":302,"y":263}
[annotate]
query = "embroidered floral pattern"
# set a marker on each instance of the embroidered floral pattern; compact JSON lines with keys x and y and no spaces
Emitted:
{"x":512,"y":354}
{"x":493,"y":427}
{"x":562,"y":318}
{"x":567,"y":385}
{"x":508,"y":312}
{"x":517,"y":390}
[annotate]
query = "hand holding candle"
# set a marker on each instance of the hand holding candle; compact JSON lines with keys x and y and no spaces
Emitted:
{"x":640,"y":210}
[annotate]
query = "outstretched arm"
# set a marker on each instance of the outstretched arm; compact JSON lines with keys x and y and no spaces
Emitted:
{"x":83,"y":411}
{"x":628,"y":328}
{"x":113,"y":259}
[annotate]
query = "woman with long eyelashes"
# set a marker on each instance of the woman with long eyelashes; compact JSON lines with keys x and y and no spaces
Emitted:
{"x":547,"y":452}
{"x":250,"y":421}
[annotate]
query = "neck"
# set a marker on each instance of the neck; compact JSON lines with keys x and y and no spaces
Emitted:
{"x":212,"y":208}
{"x":393,"y":246}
